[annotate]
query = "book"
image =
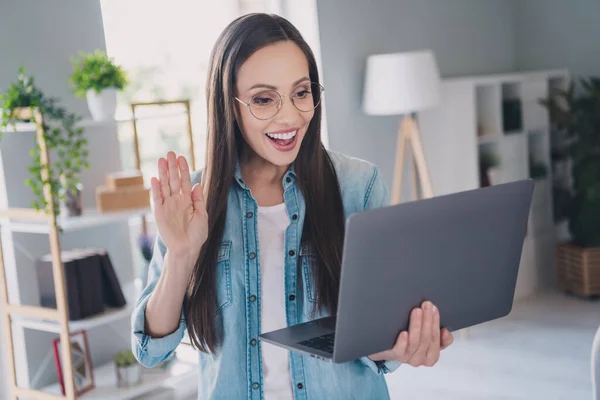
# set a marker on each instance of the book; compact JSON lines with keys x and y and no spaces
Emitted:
{"x":112,"y":291}
{"x":46,"y":284}
{"x":91,"y":282}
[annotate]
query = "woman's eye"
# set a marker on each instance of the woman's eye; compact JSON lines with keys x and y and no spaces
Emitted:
{"x":302,"y":93}
{"x":261,"y":101}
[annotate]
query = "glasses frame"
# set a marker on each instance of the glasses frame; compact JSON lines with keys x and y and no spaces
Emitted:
{"x":281,"y":96}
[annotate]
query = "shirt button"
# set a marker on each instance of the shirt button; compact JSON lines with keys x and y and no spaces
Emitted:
{"x":253,"y":298}
{"x":295,"y":217}
{"x":255,"y":385}
{"x":253,"y":342}
{"x":252,"y":256}
{"x":292,"y":253}
{"x":249,"y":214}
{"x":292,"y":297}
{"x":300,"y":386}
{"x":288,"y":179}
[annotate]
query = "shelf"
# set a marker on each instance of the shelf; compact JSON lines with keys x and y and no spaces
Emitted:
{"x":90,"y":218}
{"x":488,"y":106}
{"x":105,"y":318}
{"x":488,"y":138}
{"x":181,"y":369}
{"x":21,"y":127}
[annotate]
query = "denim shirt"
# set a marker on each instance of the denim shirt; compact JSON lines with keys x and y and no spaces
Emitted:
{"x":235,"y":371}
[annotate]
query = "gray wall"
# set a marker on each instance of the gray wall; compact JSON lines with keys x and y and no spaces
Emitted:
{"x":468,"y":37}
{"x":557,"y":34}
{"x":43,"y":36}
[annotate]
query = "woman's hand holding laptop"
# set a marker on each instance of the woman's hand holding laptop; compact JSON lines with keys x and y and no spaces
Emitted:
{"x":421,"y":345}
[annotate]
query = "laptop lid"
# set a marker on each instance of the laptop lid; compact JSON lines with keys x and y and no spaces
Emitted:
{"x":461,"y":251}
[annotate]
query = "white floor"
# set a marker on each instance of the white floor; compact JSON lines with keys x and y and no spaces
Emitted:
{"x":540,"y":351}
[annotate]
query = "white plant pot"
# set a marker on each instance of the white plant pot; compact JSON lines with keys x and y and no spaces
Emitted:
{"x":102,"y":105}
{"x":495,"y":175}
{"x":129,"y":376}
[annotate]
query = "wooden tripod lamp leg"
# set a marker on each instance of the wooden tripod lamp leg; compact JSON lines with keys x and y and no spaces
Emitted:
{"x":419,"y":156}
{"x":399,"y":165}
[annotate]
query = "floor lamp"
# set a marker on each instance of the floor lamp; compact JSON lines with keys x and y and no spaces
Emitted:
{"x":404,"y":84}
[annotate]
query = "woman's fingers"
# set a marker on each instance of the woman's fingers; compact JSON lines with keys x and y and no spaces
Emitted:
{"x":157,"y":196}
{"x":425,"y":334}
{"x":184,"y":172}
{"x":414,"y":332}
{"x":174,"y":178}
{"x":447,"y":338}
{"x":433,"y":352}
{"x":198,"y":197}
{"x":163,"y":176}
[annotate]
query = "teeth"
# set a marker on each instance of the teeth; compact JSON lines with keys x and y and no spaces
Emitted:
{"x":283,"y":136}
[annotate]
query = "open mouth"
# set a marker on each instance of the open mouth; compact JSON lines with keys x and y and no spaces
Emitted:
{"x":283,"y":141}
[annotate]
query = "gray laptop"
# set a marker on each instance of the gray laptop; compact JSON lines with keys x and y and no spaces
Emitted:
{"x":461,"y":251}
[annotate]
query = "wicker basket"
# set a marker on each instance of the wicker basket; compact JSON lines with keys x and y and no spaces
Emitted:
{"x":578,"y":269}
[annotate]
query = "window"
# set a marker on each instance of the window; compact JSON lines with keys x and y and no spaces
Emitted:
{"x":165,"y":47}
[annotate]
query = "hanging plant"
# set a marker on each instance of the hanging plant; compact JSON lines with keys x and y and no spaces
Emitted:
{"x":60,"y":133}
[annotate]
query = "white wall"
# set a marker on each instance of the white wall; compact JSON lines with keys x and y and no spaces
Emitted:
{"x":468,"y":37}
{"x":43,"y":36}
{"x":557,"y":34}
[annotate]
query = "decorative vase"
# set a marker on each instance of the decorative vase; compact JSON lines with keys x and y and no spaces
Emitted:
{"x":72,"y":204}
{"x":129,"y":375}
{"x":102,"y":105}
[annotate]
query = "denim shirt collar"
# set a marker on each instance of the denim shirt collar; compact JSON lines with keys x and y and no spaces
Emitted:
{"x":288,"y":179}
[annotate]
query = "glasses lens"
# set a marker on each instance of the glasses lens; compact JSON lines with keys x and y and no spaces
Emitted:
{"x":307,"y":96}
{"x":264,"y":105}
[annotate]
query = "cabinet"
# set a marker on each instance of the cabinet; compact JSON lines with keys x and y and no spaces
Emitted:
{"x":500,"y":115}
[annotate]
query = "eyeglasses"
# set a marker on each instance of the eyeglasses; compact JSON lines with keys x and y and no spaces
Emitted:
{"x":266,"y":104}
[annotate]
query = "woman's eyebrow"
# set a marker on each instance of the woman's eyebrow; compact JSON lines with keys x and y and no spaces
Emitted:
{"x":271,"y":87}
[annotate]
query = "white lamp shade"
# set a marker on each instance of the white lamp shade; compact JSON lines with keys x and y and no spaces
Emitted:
{"x":401,"y":83}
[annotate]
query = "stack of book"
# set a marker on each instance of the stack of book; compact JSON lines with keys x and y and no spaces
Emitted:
{"x":91,"y":282}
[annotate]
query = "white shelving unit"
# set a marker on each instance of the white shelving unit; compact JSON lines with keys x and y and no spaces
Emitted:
{"x":19,"y":228}
{"x":473,"y":118}
{"x":179,"y":373}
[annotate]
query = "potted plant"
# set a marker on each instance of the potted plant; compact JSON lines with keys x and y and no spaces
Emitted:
{"x":576,"y":113}
{"x":128,"y":370}
{"x":488,"y":168}
{"x":61,"y":136}
{"x":97,"y":78}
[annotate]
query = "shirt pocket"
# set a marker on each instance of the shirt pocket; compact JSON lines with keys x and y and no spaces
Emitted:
{"x":223,"y":277}
{"x":308,"y":258}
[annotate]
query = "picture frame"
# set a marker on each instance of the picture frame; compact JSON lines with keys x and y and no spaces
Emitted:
{"x":83,"y":371}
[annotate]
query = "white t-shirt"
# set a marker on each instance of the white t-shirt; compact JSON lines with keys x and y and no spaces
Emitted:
{"x":272,"y":223}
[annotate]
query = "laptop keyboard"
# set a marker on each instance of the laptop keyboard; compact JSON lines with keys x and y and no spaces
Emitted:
{"x":323,"y":343}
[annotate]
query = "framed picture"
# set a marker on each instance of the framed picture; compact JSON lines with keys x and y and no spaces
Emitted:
{"x":83,"y":374}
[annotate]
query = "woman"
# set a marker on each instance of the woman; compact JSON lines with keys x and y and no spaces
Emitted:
{"x":257,"y":245}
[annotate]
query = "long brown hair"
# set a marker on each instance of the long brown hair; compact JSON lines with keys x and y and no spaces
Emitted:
{"x":323,"y":228}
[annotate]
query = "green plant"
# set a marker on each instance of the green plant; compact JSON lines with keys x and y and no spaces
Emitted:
{"x":125,"y":358}
{"x":60,"y":133}
{"x":537,"y":170}
{"x":96,"y":71}
{"x":488,"y":159}
{"x":576,"y":112}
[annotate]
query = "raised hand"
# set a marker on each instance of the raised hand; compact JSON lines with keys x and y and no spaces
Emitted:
{"x":421,"y":345}
{"x":179,"y":208}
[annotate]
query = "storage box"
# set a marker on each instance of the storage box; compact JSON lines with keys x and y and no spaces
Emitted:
{"x":122,"y":199}
{"x":124,"y":179}
{"x":578,"y":269}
